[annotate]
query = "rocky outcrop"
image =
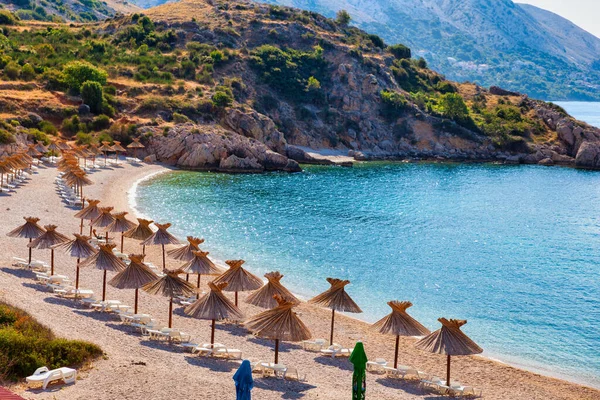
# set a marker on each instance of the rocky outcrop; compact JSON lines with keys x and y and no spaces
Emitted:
{"x":588,"y":155}
{"x":257,"y":126}
{"x":211,"y":147}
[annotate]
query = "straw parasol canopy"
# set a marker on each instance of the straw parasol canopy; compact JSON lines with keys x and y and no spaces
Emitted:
{"x":105,"y":260}
{"x":263,"y":297}
{"x":141,"y":232}
{"x":135,"y":145}
{"x":91,"y":212}
{"x":337,"y":299}
{"x":136,"y":275}
{"x":449,"y":340}
{"x":238,"y":279}
{"x":279,"y":323}
{"x":200,"y":265}
{"x":4,"y":169}
{"x":39,"y":146}
{"x":214,"y":306}
{"x":161,"y":237}
{"x":104,"y":220}
{"x":48,"y":240}
{"x":79,"y":248}
{"x":29,"y":230}
{"x":105,"y":148}
{"x":399,"y":323}
{"x":170,"y":285}
{"x":117,"y":148}
{"x":121,"y":224}
{"x":186,"y":253}
{"x":78,"y":180}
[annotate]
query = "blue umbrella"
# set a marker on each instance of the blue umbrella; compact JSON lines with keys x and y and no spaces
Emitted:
{"x":243,"y":381}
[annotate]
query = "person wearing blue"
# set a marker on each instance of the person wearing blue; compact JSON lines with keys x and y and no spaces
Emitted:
{"x":243,"y":381}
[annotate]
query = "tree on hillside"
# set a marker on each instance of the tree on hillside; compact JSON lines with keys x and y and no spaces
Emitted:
{"x":343,"y":18}
{"x":91,"y":94}
{"x":452,"y":106}
{"x":78,"y":72}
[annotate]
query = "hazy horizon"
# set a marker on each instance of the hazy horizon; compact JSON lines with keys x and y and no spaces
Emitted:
{"x":583,"y":13}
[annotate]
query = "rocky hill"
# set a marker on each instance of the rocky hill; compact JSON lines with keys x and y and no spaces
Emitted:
{"x":239,"y":86}
{"x":490,"y":42}
{"x":68,"y":10}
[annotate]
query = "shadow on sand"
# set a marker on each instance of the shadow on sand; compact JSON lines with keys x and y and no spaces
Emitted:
{"x":214,"y":364}
{"x":284,"y":347}
{"x":339,"y":362}
{"x":289,"y":389}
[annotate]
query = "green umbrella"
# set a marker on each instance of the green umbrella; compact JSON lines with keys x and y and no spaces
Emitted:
{"x":359,"y":382}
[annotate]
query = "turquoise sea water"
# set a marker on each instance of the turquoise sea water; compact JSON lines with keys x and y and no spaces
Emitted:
{"x":585,"y":111}
{"x":512,"y":249}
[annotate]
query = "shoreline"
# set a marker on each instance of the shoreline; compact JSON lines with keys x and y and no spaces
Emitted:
{"x":130,"y":357}
{"x":519,"y":363}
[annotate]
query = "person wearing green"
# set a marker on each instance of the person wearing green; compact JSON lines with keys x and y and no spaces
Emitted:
{"x":359,"y":379}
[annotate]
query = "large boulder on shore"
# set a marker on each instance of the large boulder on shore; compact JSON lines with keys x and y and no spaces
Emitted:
{"x":588,"y":155}
{"x":257,"y":126}
{"x":212,"y":147}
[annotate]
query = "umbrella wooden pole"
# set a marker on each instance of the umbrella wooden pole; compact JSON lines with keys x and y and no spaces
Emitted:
{"x":144,"y":249}
{"x":90,"y":228}
{"x":81,"y":227}
{"x":104,"y":287}
{"x":212,"y":332}
{"x":164,"y":260}
{"x":51,"y":261}
{"x":171,"y":312}
{"x":332,"y":324}
{"x":77,"y":276}
{"x":198,"y":286}
{"x":236,"y":299}
{"x":396,"y":352}
{"x":30,"y":251}
{"x":448,"y":372}
{"x":187,"y":277}
{"x":276,"y":350}
{"x":135,"y":306}
{"x":122,"y":239}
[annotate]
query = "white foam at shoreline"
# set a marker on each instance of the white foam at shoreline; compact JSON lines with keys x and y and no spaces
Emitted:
{"x":132,"y":193}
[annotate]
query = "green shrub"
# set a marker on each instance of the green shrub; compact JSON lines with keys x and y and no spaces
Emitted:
{"x":70,"y":126}
{"x":452,"y":106}
{"x":6,"y":137}
{"x":100,"y":122}
{"x":6,"y":18}
{"x":84,"y":138}
{"x":92,"y":95}
{"x":180,"y":118}
{"x":12,"y":70}
{"x":48,"y":128}
{"x":393,"y":103}
{"x":27,"y":72}
{"x":222,"y":99}
{"x":78,"y":72}
{"x":445,"y":87}
{"x":37,"y":135}
{"x":377,"y":41}
{"x":343,"y":18}
{"x":54,"y":80}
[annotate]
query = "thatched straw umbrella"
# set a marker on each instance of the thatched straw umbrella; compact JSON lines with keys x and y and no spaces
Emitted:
{"x":33,"y":152}
{"x":162,"y":237}
{"x":399,"y":323}
{"x":63,"y":145}
{"x":79,"y":247}
{"x":4,"y":169}
{"x":48,"y":240}
{"x":238,"y":279}
{"x":135,"y":145}
{"x":279,"y":323}
{"x":91,"y":212}
{"x":136,"y":275}
{"x":337,"y":299}
{"x":105,"y":260}
{"x":94,"y":151}
{"x":263,"y":297}
{"x":200,"y":265}
{"x":170,"y":285}
{"x":186,"y":253}
{"x":29,"y":230}
{"x":117,"y":148}
{"x":140,"y":232}
{"x":214,"y":306}
{"x":105,"y":148}
{"x":449,"y":340}
{"x":53,"y":148}
{"x":121,"y":224}
{"x":39,"y":146}
{"x":79,"y":180}
{"x":104,"y":220}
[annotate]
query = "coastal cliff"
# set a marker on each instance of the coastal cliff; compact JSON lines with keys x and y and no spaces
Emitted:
{"x":240,"y":87}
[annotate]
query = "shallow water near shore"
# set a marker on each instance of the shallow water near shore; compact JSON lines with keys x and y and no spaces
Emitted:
{"x":512,"y":249}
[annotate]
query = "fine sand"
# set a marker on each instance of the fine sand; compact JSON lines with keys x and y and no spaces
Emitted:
{"x":136,"y":368}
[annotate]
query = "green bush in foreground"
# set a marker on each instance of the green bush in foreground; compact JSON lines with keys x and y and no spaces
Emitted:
{"x":26,"y":345}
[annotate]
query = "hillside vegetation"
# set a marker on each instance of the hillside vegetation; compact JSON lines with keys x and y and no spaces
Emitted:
{"x":67,"y":10}
{"x":242,"y":81}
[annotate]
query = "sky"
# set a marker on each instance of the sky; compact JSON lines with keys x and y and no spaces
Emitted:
{"x":584,"y":13}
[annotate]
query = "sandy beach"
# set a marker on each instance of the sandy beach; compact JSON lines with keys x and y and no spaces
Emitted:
{"x":135,"y":368}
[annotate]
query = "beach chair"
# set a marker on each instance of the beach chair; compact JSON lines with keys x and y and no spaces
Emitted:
{"x":207,"y":349}
{"x":159,"y":334}
{"x":377,"y":366}
{"x":464,"y":391}
{"x":230,"y":354}
{"x":313,"y":345}
{"x":44,"y":376}
{"x":402,"y":371}
{"x":336,"y":350}
{"x":436,"y":383}
{"x":176,"y":336}
{"x":291,"y":373}
{"x":19,"y":262}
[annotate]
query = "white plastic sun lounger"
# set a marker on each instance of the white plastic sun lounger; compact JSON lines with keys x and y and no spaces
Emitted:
{"x":336,"y":350}
{"x":44,"y":376}
{"x":315,"y":345}
{"x":377,"y":366}
{"x":291,"y":373}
